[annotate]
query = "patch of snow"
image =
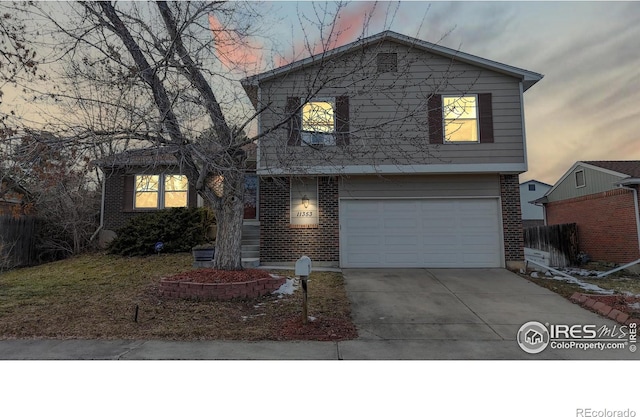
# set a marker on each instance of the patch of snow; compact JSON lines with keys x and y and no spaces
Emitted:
{"x":584,"y":285}
{"x":630,"y":294}
{"x":311,"y":318}
{"x":245,"y":318}
{"x":548,"y":274}
{"x":579,"y":271}
{"x":635,"y":306}
{"x":534,"y":275}
{"x":287,"y":288}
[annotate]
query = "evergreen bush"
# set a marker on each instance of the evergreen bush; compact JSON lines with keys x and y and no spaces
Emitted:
{"x":179,"y":229}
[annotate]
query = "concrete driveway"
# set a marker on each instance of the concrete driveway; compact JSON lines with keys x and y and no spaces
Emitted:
{"x":456,"y":314}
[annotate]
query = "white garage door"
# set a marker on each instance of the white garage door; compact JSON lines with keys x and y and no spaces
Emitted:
{"x":436,"y":233}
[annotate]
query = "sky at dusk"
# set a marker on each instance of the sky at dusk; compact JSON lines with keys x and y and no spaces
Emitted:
{"x":585,"y":107}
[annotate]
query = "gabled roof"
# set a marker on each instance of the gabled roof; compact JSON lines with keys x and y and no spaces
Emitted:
{"x":630,"y":168}
{"x":628,"y":171}
{"x":528,"y":78}
{"x":537,"y":182}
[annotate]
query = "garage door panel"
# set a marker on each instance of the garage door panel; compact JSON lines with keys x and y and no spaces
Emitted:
{"x":420,"y":233}
{"x":407,"y":241}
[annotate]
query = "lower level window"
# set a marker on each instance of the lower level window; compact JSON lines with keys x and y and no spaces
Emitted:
{"x":161,"y":191}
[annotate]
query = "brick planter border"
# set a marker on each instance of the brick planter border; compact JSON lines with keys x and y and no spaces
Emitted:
{"x":601,"y":308}
{"x":219,"y":291}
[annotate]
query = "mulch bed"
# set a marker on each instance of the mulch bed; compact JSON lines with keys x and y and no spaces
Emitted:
{"x":322,"y":329}
{"x":284,"y":328}
{"x":214,"y":276}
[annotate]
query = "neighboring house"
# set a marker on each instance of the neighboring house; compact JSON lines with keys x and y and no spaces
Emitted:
{"x":532,"y":214}
{"x":601,"y":197}
{"x":145,"y":180}
{"x":408,"y":157}
{"x":14,"y":199}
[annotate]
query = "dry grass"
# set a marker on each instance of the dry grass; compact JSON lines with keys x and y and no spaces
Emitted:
{"x":620,"y":283}
{"x":95,"y":296}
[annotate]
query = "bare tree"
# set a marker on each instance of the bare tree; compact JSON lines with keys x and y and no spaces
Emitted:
{"x":124,"y":56}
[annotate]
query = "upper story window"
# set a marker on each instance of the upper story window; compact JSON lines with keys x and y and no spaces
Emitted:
{"x":318,"y":122}
{"x":460,"y":117}
{"x":532,"y":187}
{"x":160,"y":191}
{"x":455,"y":118}
{"x":580,"y":180}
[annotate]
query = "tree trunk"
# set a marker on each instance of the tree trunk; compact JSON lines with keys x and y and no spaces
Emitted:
{"x":230,"y":215}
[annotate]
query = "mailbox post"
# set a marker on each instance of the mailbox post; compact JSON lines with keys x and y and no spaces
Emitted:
{"x":303,"y":270}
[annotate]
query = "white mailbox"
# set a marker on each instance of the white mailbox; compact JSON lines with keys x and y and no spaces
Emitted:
{"x":303,"y":266}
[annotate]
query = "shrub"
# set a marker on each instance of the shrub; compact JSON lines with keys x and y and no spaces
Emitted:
{"x":179,"y":229}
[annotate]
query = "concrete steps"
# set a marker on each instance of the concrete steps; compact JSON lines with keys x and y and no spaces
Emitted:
{"x":250,"y":244}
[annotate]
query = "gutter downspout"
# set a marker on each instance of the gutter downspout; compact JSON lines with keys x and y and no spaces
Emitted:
{"x":102,"y":212}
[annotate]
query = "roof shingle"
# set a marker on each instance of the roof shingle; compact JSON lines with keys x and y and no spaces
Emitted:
{"x":631,"y":168}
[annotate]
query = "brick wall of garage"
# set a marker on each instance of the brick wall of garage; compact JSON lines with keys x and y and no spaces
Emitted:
{"x":511,"y":219}
{"x":279,"y":242}
{"x":606,"y":222}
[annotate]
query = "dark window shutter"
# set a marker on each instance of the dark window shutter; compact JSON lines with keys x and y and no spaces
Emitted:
{"x":342,"y":120}
{"x":192,"y":196}
{"x":129,"y":190}
{"x":295,"y":123}
{"x":434,"y":108}
{"x":485,"y":114}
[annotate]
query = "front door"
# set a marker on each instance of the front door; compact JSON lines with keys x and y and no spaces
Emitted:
{"x":250,"y":196}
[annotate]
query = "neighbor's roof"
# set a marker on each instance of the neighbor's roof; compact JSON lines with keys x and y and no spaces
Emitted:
{"x":156,"y":156}
{"x":162,"y":156}
{"x":630,"y":168}
{"x":529,"y":78}
{"x":536,"y":181}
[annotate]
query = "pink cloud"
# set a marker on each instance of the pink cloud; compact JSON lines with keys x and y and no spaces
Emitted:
{"x":232,"y":49}
{"x":349,"y":25}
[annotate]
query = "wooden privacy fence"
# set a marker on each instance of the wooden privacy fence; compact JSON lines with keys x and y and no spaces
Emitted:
{"x":560,"y":240}
{"x":17,"y":241}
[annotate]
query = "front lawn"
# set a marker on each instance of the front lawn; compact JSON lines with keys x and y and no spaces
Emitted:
{"x":95,"y":296}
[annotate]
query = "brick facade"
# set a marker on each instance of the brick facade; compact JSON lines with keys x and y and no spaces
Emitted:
{"x":606,"y":222}
{"x":114,"y":214}
{"x":279,"y":242}
{"x":511,"y":220}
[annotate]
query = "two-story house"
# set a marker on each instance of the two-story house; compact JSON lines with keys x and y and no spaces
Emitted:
{"x":391,"y":152}
{"x":532,"y":214}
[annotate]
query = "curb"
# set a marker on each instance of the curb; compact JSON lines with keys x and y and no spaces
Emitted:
{"x":601,"y":308}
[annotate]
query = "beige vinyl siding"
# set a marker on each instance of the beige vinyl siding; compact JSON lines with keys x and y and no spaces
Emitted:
{"x":596,"y":181}
{"x":422,"y":186}
{"x":388,"y":113}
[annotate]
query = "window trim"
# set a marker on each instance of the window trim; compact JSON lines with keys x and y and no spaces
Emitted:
{"x":532,"y":187}
{"x":584,"y":178}
{"x":161,"y":200}
{"x":444,"y":119}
